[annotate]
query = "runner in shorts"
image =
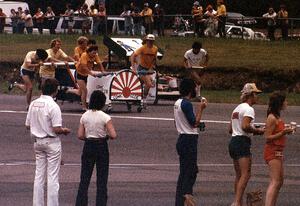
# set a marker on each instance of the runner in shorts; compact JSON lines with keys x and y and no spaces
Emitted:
{"x":147,"y":54}
{"x":88,"y":62}
{"x":241,"y":127}
{"x":31,"y":64}
{"x":193,"y":58}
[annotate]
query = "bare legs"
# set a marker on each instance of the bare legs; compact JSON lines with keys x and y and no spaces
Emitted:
{"x":276,"y":181}
{"x":242,"y":169}
{"x":81,"y":91}
{"x":26,"y":87}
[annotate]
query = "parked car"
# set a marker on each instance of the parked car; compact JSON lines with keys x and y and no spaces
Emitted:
{"x":240,"y":32}
{"x":240,"y":19}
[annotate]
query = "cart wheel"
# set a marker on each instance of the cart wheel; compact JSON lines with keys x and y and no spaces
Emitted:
{"x":109,"y":109}
{"x":139,"y":109}
{"x":128,"y":106}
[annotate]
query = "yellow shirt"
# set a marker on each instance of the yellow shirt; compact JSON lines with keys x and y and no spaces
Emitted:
{"x":86,"y":60}
{"x":221,"y":11}
{"x":147,"y":56}
{"x":49,"y":71}
{"x":147,"y":14}
{"x":78,"y":52}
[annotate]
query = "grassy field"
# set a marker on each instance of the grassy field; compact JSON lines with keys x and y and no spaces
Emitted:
{"x":229,"y":53}
{"x":223,"y":53}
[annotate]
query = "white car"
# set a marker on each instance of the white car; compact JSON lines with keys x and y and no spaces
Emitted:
{"x":233,"y":31}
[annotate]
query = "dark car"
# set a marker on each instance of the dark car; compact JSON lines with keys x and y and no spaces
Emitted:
{"x":240,"y":19}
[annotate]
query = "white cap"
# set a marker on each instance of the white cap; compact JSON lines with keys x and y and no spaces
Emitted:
{"x":250,"y":88}
{"x":196,"y":3}
{"x":150,"y":37}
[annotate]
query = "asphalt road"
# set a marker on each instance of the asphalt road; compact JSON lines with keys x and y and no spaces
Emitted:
{"x":143,"y":160}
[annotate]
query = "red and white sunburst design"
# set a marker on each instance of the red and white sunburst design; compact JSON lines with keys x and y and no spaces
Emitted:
{"x":126,"y":86}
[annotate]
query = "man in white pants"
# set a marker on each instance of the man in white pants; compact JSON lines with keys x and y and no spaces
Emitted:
{"x":45,"y":123}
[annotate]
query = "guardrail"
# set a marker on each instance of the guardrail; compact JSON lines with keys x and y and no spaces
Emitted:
{"x":166,"y":25}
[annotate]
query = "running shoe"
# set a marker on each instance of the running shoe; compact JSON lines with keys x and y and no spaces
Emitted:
{"x":11,"y":86}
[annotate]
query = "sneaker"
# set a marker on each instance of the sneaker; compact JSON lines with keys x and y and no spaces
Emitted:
{"x":11,"y":86}
{"x":189,"y":200}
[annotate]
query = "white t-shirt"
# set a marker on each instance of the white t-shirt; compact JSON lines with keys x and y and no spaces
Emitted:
{"x":241,"y":111}
{"x":184,"y":117}
{"x":30,"y":58}
{"x":94,"y":123}
{"x":43,"y":114}
{"x":195,"y":59}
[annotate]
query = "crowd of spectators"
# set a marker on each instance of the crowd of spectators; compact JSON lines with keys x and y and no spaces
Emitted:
{"x":206,"y":20}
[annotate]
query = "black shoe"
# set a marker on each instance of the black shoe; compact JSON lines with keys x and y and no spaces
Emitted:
{"x":11,"y":86}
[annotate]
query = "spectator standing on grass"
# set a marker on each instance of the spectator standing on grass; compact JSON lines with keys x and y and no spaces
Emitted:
{"x":221,"y":14}
{"x":84,"y":13}
{"x":211,"y":21}
{"x":159,"y":20}
{"x":21,"y":21}
{"x":197,"y":14}
{"x":187,"y":122}
{"x":147,"y":15}
{"x":44,"y":120}
{"x":28,"y":22}
{"x":275,"y":136}
{"x":31,"y":64}
{"x":137,"y":19}
{"x":14,"y":20}
{"x":39,"y":20}
{"x":102,"y":18}
{"x":2,"y":21}
{"x":95,"y":129}
{"x":128,"y":20}
{"x":50,"y":16}
{"x":95,"y":17}
{"x":68,"y":15}
{"x":195,"y":58}
{"x":241,"y":126}
{"x":283,"y":16}
{"x":271,"y":23}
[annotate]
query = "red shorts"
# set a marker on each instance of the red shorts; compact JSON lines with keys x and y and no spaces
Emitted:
{"x":273,"y":152}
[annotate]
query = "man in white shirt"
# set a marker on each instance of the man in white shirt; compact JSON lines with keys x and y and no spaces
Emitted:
{"x":45,"y":123}
{"x":195,"y":58}
{"x":241,"y":127}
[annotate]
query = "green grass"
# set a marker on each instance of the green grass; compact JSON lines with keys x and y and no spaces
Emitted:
{"x":223,"y":53}
{"x":229,"y":53}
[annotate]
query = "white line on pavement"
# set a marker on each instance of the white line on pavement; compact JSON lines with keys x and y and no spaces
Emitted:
{"x":129,"y":165}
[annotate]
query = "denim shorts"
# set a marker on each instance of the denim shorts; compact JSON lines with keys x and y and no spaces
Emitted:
{"x":142,"y":70}
{"x":239,"y":146}
{"x":81,"y":77}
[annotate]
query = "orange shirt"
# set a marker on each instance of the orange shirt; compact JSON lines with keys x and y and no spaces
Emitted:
{"x":280,"y":141}
{"x":78,"y":52}
{"x":86,"y":60}
{"x":147,"y":56}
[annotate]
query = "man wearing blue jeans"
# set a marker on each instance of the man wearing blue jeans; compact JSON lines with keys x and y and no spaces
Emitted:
{"x":186,"y":124}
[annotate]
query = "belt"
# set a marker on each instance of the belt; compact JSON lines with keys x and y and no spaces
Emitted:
{"x":36,"y":139}
{"x":98,"y":140}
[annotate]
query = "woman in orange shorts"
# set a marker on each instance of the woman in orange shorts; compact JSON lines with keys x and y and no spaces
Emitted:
{"x":275,"y":135}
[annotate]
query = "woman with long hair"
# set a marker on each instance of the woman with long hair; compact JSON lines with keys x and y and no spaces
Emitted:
{"x":275,"y":135}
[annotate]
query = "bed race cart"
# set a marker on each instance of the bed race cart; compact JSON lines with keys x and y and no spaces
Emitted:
{"x":119,"y":83}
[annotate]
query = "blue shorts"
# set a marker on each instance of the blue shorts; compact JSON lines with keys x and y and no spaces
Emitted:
{"x":239,"y":146}
{"x":25,"y":72}
{"x":142,"y":70}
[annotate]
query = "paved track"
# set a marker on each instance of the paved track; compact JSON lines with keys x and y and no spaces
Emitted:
{"x":144,"y":164}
